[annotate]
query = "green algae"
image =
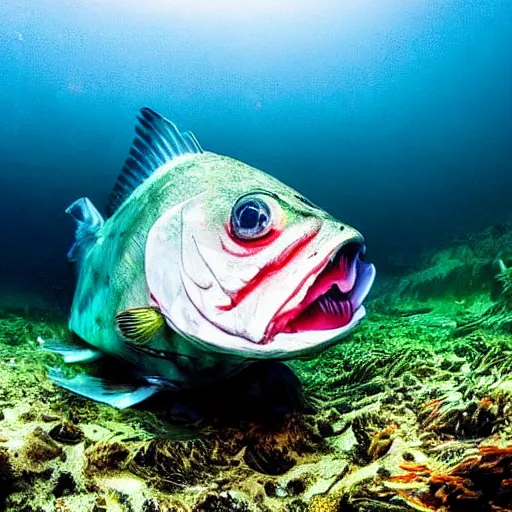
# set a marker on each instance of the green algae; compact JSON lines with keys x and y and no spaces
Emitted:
{"x":421,"y":388}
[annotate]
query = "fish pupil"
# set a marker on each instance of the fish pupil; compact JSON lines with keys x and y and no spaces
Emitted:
{"x":250,"y":218}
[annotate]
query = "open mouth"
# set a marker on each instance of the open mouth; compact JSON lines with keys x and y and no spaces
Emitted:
{"x":335,"y":295}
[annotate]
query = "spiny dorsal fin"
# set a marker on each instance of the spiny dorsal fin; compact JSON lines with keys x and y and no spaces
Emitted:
{"x":157,"y":142}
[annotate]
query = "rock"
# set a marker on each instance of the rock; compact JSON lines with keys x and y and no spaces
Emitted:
{"x":66,"y":433}
{"x":40,"y":447}
{"x":104,"y":456}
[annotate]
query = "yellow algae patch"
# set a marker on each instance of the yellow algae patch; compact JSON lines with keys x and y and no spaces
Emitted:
{"x":323,"y":503}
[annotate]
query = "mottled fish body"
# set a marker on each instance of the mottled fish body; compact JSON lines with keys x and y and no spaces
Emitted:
{"x":204,"y":265}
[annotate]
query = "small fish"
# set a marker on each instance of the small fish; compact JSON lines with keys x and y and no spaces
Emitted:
{"x":203,"y":266}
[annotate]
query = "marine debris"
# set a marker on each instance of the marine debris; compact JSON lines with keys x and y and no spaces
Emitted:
{"x":412,"y":412}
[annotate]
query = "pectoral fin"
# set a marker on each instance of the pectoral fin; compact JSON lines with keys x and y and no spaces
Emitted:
{"x":111,"y":393}
{"x":139,"y":325}
{"x":71,"y":352}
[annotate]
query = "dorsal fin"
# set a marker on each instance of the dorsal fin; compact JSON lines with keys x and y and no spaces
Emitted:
{"x":157,"y":141}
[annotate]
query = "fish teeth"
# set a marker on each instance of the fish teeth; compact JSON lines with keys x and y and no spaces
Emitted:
{"x":333,"y":307}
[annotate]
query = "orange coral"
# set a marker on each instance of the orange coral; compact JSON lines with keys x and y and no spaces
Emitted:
{"x":415,"y":467}
{"x":479,"y":482}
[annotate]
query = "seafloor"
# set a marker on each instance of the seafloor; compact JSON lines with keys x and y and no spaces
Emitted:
{"x":413,"y":412}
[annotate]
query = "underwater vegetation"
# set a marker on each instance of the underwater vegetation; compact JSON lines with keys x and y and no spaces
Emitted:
{"x":412,"y":412}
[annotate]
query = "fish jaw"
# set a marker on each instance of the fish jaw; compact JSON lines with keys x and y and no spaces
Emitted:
{"x":330,"y":297}
{"x":310,"y":341}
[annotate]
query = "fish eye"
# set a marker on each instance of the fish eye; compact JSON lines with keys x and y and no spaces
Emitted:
{"x":251,"y":218}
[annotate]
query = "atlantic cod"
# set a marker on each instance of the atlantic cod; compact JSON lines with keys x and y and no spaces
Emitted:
{"x":203,"y":266}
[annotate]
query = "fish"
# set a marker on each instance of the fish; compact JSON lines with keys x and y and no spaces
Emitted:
{"x":202,"y":266}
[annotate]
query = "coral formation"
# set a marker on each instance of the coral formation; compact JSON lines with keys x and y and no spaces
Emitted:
{"x":481,"y":480}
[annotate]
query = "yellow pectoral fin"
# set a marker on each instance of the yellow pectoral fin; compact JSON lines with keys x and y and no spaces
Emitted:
{"x":139,"y":325}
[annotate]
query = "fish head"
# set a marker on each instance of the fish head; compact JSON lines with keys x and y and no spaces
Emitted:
{"x":250,"y":267}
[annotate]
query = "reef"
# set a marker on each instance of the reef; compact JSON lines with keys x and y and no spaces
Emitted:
{"x":412,"y":412}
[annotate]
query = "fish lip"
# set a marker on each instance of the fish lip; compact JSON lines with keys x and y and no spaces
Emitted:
{"x":356,"y":244}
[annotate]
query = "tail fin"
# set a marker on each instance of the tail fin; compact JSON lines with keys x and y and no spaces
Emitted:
{"x":88,"y":222}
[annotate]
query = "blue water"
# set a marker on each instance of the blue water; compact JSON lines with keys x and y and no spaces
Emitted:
{"x":394,"y":115}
